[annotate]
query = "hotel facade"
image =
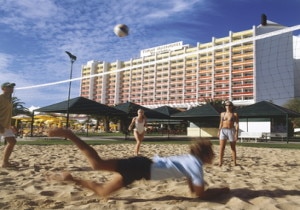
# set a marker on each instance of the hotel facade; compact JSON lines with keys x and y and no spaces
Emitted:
{"x":245,"y":67}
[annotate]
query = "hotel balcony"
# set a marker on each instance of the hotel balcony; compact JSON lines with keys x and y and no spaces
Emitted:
{"x":242,"y":78}
{"x":221,"y":89}
{"x":222,"y":81}
{"x":243,"y":94}
{"x":239,"y":86}
{"x":243,"y":70}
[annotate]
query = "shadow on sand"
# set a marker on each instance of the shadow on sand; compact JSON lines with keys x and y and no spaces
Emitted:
{"x":242,"y":193}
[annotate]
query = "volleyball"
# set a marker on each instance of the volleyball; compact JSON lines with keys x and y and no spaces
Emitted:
{"x":121,"y":30}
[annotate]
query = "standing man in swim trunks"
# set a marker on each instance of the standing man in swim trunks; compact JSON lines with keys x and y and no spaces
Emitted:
{"x":6,"y":108}
{"x":228,"y":130}
{"x":139,"y":124}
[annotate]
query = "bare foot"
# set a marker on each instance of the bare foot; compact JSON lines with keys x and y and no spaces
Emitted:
{"x":59,"y":132}
{"x":9,"y":165}
{"x":60,"y":176}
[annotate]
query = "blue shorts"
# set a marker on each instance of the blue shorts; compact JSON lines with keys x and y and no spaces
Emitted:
{"x":227,"y":134}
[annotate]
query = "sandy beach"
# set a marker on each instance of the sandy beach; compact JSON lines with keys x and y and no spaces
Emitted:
{"x":264,"y":179}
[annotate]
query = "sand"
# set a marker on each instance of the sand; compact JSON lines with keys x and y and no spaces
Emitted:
{"x":264,"y":179}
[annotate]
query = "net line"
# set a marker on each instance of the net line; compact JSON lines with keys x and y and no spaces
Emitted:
{"x":230,"y":44}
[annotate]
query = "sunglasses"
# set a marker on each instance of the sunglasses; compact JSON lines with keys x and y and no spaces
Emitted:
{"x":228,"y":105}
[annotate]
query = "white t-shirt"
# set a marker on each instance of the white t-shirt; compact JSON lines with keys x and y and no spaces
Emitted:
{"x":177,"y":167}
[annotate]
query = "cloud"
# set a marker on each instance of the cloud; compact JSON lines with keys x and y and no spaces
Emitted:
{"x":44,"y":30}
{"x":28,"y":15}
{"x":5,"y":61}
{"x":170,"y":8}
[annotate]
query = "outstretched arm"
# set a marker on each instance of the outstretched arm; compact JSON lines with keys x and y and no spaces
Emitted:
{"x":236,"y":126}
{"x":131,"y":124}
{"x":221,"y":123}
{"x":208,"y":194}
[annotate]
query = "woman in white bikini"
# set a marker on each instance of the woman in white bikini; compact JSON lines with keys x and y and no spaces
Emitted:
{"x":139,"y":124}
{"x":228,"y":130}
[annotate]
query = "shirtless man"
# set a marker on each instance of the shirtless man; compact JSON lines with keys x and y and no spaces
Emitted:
{"x":6,"y":108}
{"x":228,"y":130}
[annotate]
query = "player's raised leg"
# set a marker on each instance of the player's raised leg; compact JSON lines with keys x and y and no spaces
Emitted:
{"x":101,"y":189}
{"x":92,"y":156}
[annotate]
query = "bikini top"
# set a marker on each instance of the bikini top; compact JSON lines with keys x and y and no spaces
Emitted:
{"x":232,"y":119}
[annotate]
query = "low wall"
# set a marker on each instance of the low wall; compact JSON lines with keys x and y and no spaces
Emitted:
{"x":202,"y":132}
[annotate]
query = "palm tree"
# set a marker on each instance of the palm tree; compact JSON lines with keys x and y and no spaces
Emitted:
{"x":217,"y":104}
{"x":294,"y":104}
{"x":18,"y":107}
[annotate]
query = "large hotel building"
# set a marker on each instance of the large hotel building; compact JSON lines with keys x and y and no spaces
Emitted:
{"x":245,"y":67}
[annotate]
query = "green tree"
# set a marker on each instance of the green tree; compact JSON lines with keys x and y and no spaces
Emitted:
{"x":217,"y":104}
{"x":18,"y":107}
{"x":294,"y":104}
